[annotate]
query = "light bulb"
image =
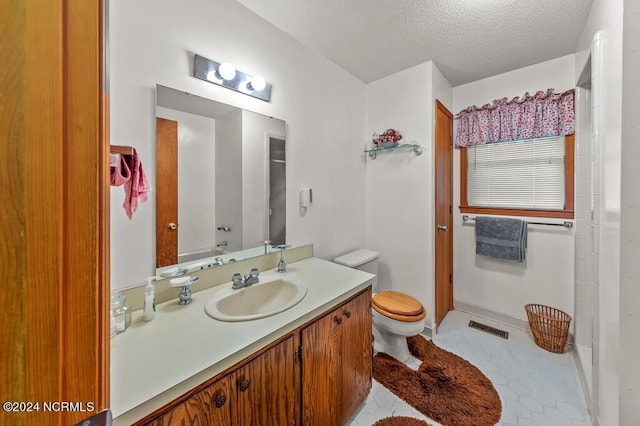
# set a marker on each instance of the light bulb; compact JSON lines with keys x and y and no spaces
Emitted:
{"x":256,"y":83}
{"x":213,"y":76}
{"x":227,"y":71}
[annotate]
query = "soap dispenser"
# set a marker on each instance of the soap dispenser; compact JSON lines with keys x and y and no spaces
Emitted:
{"x":149,"y":310}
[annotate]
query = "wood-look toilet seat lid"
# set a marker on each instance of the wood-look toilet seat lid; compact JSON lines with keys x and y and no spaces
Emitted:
{"x":400,"y":306}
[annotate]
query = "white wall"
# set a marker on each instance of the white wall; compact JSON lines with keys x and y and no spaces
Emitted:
{"x":583,"y":223}
{"x":630,"y":203}
{"x":196,"y":175}
{"x":547,"y":276}
{"x":400,"y":210}
{"x":605,"y":19}
{"x":152,"y":42}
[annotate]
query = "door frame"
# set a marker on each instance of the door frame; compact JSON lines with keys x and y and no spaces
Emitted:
{"x":267,"y":155}
{"x":55,"y":249}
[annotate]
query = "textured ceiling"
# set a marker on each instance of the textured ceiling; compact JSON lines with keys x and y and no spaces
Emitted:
{"x":467,"y":39}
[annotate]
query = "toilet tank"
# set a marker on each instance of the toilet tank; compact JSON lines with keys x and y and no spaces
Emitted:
{"x":363,"y":259}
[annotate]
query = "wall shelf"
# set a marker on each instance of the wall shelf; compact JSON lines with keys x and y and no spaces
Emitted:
{"x":119,"y":149}
{"x":373,"y":153}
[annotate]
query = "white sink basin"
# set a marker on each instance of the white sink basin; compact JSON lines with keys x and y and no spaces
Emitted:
{"x":256,"y":301}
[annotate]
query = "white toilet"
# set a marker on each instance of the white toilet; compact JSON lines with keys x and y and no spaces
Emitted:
{"x":396,"y":315}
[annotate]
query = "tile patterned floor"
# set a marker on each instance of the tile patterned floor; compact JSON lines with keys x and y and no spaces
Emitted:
{"x":536,"y":387}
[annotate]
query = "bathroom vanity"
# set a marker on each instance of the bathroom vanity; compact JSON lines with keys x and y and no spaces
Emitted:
{"x":310,"y":364}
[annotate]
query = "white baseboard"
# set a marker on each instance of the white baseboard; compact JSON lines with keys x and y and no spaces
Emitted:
{"x":595,"y":421}
{"x":492,"y":315}
{"x":503,"y":319}
{"x":427,"y":332}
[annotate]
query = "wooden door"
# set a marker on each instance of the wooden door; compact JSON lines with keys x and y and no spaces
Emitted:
{"x":322,"y":371}
{"x":357,"y":353}
{"x":210,"y":406}
{"x":54,"y":245}
{"x":166,"y":192}
{"x":267,"y":390}
{"x":444,"y":211}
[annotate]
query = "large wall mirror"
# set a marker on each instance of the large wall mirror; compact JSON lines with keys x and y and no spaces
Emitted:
{"x":220,"y":182}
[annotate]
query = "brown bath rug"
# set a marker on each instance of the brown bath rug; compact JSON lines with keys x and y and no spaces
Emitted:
{"x":400,"y":421}
{"x":445,"y":388}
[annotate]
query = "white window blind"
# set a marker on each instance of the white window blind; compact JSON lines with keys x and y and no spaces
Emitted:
{"x":527,"y":174}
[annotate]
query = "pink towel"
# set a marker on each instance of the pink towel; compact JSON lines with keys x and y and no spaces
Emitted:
{"x":135,"y":188}
{"x":120,"y":172}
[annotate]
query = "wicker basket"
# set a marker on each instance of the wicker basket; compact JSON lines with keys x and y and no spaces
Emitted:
{"x":550,"y":327}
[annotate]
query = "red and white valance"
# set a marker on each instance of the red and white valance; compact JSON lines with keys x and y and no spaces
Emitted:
{"x":543,"y":114}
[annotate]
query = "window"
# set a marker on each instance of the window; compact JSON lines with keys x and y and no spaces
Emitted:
{"x":520,"y":178}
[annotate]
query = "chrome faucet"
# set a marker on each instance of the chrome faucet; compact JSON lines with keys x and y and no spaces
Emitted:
{"x":218,"y":261}
{"x":240,"y":281}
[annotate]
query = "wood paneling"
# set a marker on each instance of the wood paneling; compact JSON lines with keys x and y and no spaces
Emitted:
{"x":54,"y":242}
{"x":85,"y":285}
{"x":337,"y":363}
{"x":201,"y":409}
{"x":321,"y":372}
{"x":357,"y":354}
{"x":267,"y":389}
{"x":42,"y":194}
{"x":569,"y":173}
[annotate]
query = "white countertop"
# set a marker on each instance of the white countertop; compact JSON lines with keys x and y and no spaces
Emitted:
{"x":152,"y":363}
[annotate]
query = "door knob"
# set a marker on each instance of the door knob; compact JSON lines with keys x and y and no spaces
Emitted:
{"x":172,"y":226}
{"x":443,"y":228}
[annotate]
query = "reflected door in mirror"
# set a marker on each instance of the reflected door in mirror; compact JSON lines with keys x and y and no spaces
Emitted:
{"x":277,"y":191}
{"x":166,"y":192}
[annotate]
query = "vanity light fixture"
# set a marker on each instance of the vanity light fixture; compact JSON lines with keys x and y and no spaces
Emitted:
{"x":227,"y":71}
{"x":224,"y":74}
{"x":256,"y":83}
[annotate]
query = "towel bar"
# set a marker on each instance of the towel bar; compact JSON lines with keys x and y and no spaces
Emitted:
{"x":565,"y":224}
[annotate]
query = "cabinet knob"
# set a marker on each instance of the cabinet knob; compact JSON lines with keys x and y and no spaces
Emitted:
{"x":347,"y":314}
{"x":220,"y":400}
{"x":338,"y":320}
{"x":172,"y":226}
{"x":244,"y":385}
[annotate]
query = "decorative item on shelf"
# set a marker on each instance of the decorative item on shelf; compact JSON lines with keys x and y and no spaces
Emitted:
{"x":387,"y":139}
{"x":390,"y":139}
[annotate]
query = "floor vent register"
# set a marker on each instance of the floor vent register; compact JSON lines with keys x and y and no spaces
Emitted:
{"x":489,"y":329}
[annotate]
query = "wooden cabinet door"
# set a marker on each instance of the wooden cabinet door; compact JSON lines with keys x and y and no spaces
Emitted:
{"x":357,"y":355}
{"x":321,"y":371}
{"x":210,"y":406}
{"x":267,"y":390}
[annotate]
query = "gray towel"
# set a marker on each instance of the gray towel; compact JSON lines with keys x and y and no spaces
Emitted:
{"x":502,"y":238}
